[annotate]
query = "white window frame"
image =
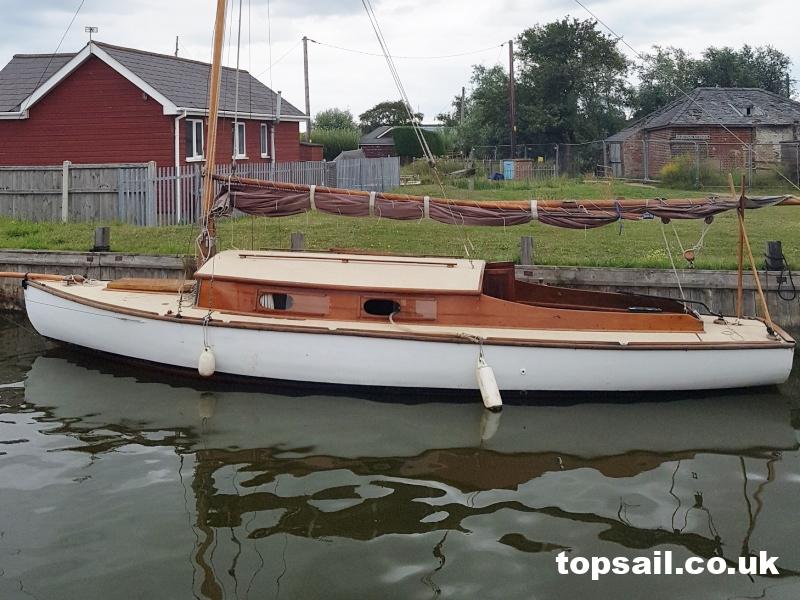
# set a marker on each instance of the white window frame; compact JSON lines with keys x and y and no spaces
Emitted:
{"x":237,"y":127}
{"x":195,"y":153}
{"x":264,"y":140}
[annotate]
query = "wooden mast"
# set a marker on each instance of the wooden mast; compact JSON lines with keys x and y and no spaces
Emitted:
{"x":207,"y":241}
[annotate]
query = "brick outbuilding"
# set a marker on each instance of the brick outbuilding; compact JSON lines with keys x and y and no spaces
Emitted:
{"x":735,"y":128}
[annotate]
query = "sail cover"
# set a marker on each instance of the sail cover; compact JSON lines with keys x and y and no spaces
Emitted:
{"x":275,"y":199}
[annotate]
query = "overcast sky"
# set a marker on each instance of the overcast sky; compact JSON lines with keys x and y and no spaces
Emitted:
{"x":411,"y":27}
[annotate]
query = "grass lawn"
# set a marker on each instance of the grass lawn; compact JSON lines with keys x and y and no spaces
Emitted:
{"x":636,"y":244}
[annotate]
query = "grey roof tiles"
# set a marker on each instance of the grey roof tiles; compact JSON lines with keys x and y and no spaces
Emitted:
{"x":184,"y":82}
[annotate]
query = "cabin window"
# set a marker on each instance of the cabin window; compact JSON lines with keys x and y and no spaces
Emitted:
{"x":265,"y":140}
{"x":194,"y":139}
{"x":381,"y":307}
{"x":295,"y":303}
{"x":272,"y":301}
{"x":238,"y":140}
{"x":403,"y":309}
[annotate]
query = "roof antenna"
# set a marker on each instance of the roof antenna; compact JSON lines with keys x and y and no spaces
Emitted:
{"x":176,"y":46}
{"x":90,"y":31}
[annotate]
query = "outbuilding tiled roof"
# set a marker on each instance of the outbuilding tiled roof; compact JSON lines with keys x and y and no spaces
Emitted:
{"x":184,"y":82}
{"x":731,"y":107}
{"x":380,"y":136}
{"x":727,"y":106}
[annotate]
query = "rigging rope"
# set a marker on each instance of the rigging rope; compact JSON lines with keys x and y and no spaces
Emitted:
{"x":415,"y":126}
{"x":672,"y":260}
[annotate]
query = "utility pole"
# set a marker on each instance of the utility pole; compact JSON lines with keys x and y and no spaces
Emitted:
{"x":176,"y":46}
{"x":463,"y":96}
{"x":308,"y":101}
{"x":512,"y":104}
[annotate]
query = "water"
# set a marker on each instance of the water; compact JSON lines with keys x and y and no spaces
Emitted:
{"x":116,"y":483}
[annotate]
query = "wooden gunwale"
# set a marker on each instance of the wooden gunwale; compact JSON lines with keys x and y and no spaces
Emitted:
{"x":428,"y":336}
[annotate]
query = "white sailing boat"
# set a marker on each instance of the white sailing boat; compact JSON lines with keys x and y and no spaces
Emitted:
{"x":399,"y":321}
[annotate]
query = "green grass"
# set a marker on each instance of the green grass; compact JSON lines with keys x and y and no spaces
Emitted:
{"x":637,"y":244}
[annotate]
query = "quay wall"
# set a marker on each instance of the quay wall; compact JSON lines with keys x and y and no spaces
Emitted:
{"x":716,"y":288}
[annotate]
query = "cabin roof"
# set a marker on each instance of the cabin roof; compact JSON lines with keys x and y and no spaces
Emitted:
{"x":352,"y":271}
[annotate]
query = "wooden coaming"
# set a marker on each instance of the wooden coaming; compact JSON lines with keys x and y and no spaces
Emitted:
{"x":346,"y":304}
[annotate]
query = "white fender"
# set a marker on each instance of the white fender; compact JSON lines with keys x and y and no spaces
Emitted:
{"x":206,"y":364}
{"x":490,"y":392}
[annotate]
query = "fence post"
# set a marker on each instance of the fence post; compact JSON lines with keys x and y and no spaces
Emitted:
{"x":150,"y":218}
{"x":297,"y":242}
{"x":526,"y":250}
{"x":178,"y":200}
{"x":65,"y":191}
{"x":556,"y":165}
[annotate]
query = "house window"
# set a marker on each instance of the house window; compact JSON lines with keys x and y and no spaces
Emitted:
{"x":238,"y":140}
{"x":265,"y":139}
{"x":194,"y":139}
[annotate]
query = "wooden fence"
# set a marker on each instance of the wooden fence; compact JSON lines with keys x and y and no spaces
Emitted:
{"x":147,"y":195}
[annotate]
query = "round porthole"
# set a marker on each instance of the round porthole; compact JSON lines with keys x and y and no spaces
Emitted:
{"x":381,"y":307}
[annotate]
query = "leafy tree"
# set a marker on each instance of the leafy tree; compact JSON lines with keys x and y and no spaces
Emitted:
{"x":486,"y":121}
{"x":406,"y":142}
{"x":334,"y":141}
{"x":334,"y":118}
{"x":662,"y":74}
{"x":667,"y":71}
{"x":572,"y":83}
{"x":453,"y":117}
{"x":763,"y":67}
{"x":386,"y":113}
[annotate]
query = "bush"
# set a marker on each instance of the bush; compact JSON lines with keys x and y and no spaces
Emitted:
{"x":334,"y":141}
{"x":682,"y":172}
{"x":406,"y":143}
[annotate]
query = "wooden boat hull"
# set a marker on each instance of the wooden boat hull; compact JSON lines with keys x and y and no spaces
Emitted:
{"x":374,"y":360}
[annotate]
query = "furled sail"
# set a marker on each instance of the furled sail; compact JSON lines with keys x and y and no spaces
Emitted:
{"x":275,"y":199}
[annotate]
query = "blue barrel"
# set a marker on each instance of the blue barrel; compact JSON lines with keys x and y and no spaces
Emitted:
{"x":508,"y":169}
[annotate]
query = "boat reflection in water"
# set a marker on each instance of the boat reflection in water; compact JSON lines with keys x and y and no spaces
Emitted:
{"x":317,"y":496}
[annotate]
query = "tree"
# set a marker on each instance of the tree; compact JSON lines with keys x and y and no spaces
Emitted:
{"x":668,"y":72}
{"x":762,"y":67}
{"x":386,"y":113}
{"x":486,"y":121}
{"x":334,"y":118}
{"x":662,"y":75}
{"x":572,"y":85}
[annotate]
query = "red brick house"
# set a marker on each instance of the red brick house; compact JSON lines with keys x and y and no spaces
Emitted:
{"x":735,"y":128}
{"x":107,"y":104}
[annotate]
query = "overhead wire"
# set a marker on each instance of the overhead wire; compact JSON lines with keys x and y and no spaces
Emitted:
{"x":273,"y":64}
{"x":61,"y":41}
{"x":417,"y":57}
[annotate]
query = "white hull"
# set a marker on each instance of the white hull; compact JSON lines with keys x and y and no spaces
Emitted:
{"x":402,"y":363}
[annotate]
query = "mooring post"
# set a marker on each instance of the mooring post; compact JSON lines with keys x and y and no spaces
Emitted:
{"x":298,"y":242}
{"x":526,"y":250}
{"x":65,"y":191}
{"x":102,"y":239}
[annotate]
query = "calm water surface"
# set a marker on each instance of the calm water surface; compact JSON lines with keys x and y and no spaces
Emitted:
{"x":116,"y":483}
